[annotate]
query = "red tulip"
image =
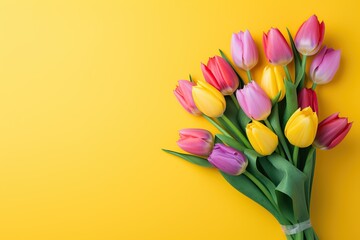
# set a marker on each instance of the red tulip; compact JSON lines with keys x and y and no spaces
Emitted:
{"x":277,"y":50}
{"x":307,"y":98}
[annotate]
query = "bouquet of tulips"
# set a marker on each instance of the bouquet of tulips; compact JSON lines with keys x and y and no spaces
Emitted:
{"x":268,"y":131}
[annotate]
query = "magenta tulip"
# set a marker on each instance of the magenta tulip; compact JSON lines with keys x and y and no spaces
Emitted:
{"x":310,"y":36}
{"x":220,"y":75}
{"x":325,"y":65}
{"x":183,"y":93}
{"x":243,"y":50}
{"x":196,"y":141}
{"x":228,"y":159}
{"x":277,"y":50}
{"x":254,"y":101}
{"x":307,"y":98}
{"x":331,"y":131}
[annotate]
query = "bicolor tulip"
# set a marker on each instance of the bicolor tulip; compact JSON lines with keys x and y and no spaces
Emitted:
{"x":325,"y":65}
{"x":262,"y":139}
{"x":272,"y":82}
{"x":183,"y":93}
{"x":307,"y":98}
{"x":301,"y":127}
{"x":243,"y":50}
{"x":228,"y":159}
{"x":310,"y":36}
{"x":254,"y":101}
{"x":208,"y":99}
{"x":331,"y":131}
{"x":196,"y":141}
{"x":220,"y":75}
{"x":277,"y":50}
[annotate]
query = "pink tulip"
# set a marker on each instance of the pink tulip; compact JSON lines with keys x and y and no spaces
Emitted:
{"x":196,"y":141}
{"x":220,"y":75}
{"x":277,"y":50}
{"x":228,"y":159}
{"x":331,"y":131}
{"x":254,"y":101}
{"x":325,"y":65}
{"x":310,"y":36}
{"x":243,"y":50}
{"x":307,"y":98}
{"x":183,"y":93}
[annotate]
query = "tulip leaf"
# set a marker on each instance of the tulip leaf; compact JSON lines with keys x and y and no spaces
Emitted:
{"x":231,"y":142}
{"x":297,"y":60}
{"x":309,"y":171}
{"x":291,"y":189}
{"x":244,"y":185}
{"x":243,"y":119}
{"x":241,"y":81}
{"x":190,"y":78}
{"x":190,"y":158}
{"x":291,"y":100}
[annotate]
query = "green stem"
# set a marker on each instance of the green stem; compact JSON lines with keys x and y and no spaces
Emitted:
{"x":278,"y":148}
{"x":235,"y":101}
{"x":303,"y":69}
{"x":284,"y":146}
{"x":236,"y":131}
{"x":221,"y":129}
{"x":314,"y":86}
{"x":295,"y":156}
{"x":288,"y":76}
{"x":249,"y":75}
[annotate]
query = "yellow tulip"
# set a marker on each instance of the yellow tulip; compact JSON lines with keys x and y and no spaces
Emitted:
{"x":273,"y":82}
{"x":208,"y":99}
{"x":262,"y":139}
{"x":301,"y":127}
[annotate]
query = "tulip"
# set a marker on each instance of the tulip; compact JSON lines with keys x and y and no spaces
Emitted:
{"x":243,"y":50}
{"x":220,"y":75}
{"x":325,"y":65}
{"x":273,"y":82}
{"x":228,"y":159}
{"x":208,"y":99}
{"x":196,"y":141}
{"x":331,"y":131}
{"x":307,"y":98}
{"x":262,"y":139}
{"x":254,"y":101}
{"x":301,"y":127}
{"x":183,"y":93}
{"x":310,"y":36}
{"x":277,"y":50}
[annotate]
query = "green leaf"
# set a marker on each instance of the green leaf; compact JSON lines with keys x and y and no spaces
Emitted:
{"x":297,"y":60}
{"x":191,"y":80}
{"x":190,"y":158}
{"x":243,"y":119}
{"x":275,"y":99}
{"x":291,"y":100}
{"x":230,"y":142}
{"x":241,"y":81}
{"x":290,"y":190}
{"x":309,"y":172}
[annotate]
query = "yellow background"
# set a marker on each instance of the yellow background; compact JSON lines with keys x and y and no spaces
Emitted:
{"x":86,"y":104}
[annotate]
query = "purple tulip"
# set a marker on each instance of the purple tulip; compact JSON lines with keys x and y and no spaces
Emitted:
{"x":254,"y":101}
{"x":331,"y":131}
{"x":228,"y":159}
{"x":183,"y":93}
{"x":243,"y":50}
{"x":310,"y":36}
{"x":220,"y":75}
{"x":277,"y":50}
{"x":196,"y":141}
{"x":307,"y":98}
{"x":325,"y":65}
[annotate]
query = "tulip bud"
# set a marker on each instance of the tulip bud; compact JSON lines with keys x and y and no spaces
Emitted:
{"x":273,"y":82}
{"x":254,"y":101}
{"x":310,"y":36}
{"x":243,"y":50}
{"x":301,"y":127}
{"x":208,"y":99}
{"x":220,"y":75}
{"x":331,"y":131}
{"x":228,"y":159}
{"x":277,"y":50}
{"x":196,"y":141}
{"x":183,"y":93}
{"x":325,"y":65}
{"x":262,"y":139}
{"x":307,"y":98}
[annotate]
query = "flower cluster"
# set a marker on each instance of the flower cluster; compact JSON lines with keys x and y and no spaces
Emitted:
{"x":268,"y":129}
